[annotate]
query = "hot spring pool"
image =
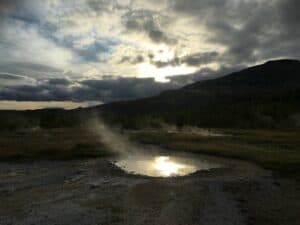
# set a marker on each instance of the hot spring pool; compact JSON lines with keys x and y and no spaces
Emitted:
{"x":164,"y":165}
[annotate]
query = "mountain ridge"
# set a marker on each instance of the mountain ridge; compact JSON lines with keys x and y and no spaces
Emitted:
{"x":258,"y":95}
{"x":263,"y":96}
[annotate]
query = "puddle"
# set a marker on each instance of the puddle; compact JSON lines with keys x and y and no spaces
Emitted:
{"x":165,"y":165}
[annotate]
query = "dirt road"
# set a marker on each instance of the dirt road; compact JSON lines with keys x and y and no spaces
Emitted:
{"x":87,"y":192}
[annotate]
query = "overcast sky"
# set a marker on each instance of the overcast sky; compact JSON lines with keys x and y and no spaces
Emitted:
{"x":108,"y":50}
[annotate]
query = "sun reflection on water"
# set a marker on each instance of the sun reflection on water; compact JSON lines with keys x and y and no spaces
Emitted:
{"x":162,"y":165}
{"x":166,"y":167}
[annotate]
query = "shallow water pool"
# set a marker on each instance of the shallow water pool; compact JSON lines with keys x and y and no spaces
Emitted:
{"x":164,"y":164}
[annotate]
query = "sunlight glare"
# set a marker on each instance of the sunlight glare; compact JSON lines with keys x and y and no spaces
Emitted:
{"x":167,"y":167}
{"x":162,"y":74}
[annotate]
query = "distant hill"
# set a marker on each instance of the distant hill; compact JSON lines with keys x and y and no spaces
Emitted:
{"x":271,"y":76}
{"x":266,"y":95}
{"x":263,"y":96}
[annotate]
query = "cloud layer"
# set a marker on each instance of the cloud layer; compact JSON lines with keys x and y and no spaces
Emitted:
{"x":109,"y":50}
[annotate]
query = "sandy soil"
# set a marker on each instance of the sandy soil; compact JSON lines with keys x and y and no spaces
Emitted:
{"x":88,"y":192}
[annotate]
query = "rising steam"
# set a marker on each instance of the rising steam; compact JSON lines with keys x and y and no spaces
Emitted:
{"x":111,"y":138}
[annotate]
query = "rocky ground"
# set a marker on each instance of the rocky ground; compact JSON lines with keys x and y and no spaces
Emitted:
{"x":93,"y":191}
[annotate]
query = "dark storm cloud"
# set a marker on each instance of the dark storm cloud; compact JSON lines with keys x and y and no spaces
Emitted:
{"x":231,"y":25}
{"x":290,"y":13}
{"x":59,"y":81}
{"x":91,"y":52}
{"x":99,"y":5}
{"x":173,"y":62}
{"x":7,"y":6}
{"x":200,"y":58}
{"x":9,"y":76}
{"x":25,"y":10}
{"x":132,"y":60}
{"x":108,"y":6}
{"x":123,"y":88}
{"x":147,"y":21}
{"x":10,"y":79}
{"x":107,"y":90}
{"x":251,"y":30}
{"x":195,"y":59}
{"x":42,"y":92}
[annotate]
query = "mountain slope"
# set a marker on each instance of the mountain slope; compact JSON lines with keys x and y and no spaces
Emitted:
{"x":260,"y":96}
{"x":273,"y":76}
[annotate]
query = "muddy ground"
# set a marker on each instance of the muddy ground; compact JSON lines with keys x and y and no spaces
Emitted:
{"x":87,"y":192}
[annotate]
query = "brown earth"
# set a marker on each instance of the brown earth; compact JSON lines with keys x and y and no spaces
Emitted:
{"x":93,"y":191}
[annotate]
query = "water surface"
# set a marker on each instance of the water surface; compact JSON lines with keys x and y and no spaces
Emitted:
{"x":164,"y":165}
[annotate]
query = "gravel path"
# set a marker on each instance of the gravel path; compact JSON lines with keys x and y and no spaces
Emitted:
{"x":87,"y":192}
